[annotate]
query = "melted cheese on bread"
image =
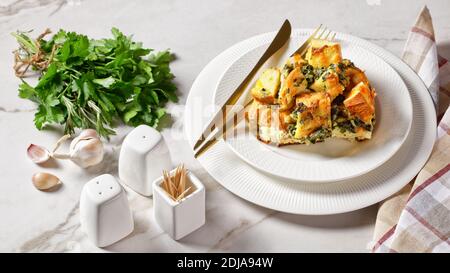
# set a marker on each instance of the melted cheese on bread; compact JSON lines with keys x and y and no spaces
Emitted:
{"x":360,"y":102}
{"x":266,"y":87}
{"x":329,"y":82}
{"x":313,"y":113}
{"x":323,"y":53}
{"x":294,"y":84}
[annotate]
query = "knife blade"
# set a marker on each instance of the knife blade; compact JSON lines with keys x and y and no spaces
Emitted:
{"x":282,"y":36}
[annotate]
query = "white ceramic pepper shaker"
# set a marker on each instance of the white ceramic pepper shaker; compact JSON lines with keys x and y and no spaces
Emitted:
{"x":178,"y":219}
{"x":143,"y":157}
{"x":105,"y":213}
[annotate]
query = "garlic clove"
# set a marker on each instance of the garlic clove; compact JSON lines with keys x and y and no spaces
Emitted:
{"x":87,"y":152}
{"x":38,"y":154}
{"x":45,"y":181}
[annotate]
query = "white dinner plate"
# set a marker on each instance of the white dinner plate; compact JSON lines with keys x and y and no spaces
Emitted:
{"x":311,"y":198}
{"x":334,"y":159}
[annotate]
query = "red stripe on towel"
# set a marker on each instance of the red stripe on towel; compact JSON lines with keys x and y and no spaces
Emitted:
{"x":423,"y":33}
{"x":430,"y":180}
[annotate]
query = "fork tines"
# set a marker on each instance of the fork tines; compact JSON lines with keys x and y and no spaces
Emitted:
{"x":320,"y":33}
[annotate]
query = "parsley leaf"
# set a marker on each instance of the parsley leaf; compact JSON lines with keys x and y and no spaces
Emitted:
{"x":92,"y":83}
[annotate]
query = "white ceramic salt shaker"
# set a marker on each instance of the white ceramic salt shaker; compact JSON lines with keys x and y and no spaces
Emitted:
{"x":104,"y":210}
{"x":179,"y":219}
{"x":143,"y":157}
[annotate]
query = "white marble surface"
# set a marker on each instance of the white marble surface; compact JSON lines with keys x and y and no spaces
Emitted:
{"x":33,"y":221}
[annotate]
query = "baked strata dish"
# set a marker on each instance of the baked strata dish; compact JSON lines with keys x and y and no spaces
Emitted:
{"x":313,"y":98}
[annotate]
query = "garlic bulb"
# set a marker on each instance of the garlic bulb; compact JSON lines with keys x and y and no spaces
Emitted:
{"x":45,"y":181}
{"x":85,"y":150}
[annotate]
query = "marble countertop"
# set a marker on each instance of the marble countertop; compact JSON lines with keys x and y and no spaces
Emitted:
{"x":33,"y":221}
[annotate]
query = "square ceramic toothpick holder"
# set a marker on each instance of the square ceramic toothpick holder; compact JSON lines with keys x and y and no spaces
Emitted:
{"x":104,"y":210}
{"x":143,"y":157}
{"x":179,"y":218}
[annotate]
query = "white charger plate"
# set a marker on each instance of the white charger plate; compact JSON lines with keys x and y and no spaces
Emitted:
{"x":334,"y":159}
{"x":311,"y":198}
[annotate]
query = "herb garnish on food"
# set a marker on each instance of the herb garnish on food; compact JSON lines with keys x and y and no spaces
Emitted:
{"x":89,"y":83}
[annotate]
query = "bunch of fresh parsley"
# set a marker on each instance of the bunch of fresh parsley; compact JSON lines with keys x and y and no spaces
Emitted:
{"x":90,"y":83}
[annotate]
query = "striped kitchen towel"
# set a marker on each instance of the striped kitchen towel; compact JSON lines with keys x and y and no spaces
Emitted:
{"x":417,"y":219}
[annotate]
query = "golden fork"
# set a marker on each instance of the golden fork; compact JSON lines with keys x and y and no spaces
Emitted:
{"x":278,"y":42}
{"x":238,"y":116}
{"x":324,"y":35}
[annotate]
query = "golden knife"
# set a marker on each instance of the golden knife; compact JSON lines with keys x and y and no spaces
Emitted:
{"x":278,"y":42}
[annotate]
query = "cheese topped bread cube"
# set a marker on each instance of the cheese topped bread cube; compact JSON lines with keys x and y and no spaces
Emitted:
{"x":266,"y":87}
{"x":353,"y":74}
{"x":294,"y":84}
{"x":291,"y":63}
{"x":323,"y":53}
{"x":360,"y":102}
{"x":329,"y":82}
{"x":313,"y":112}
